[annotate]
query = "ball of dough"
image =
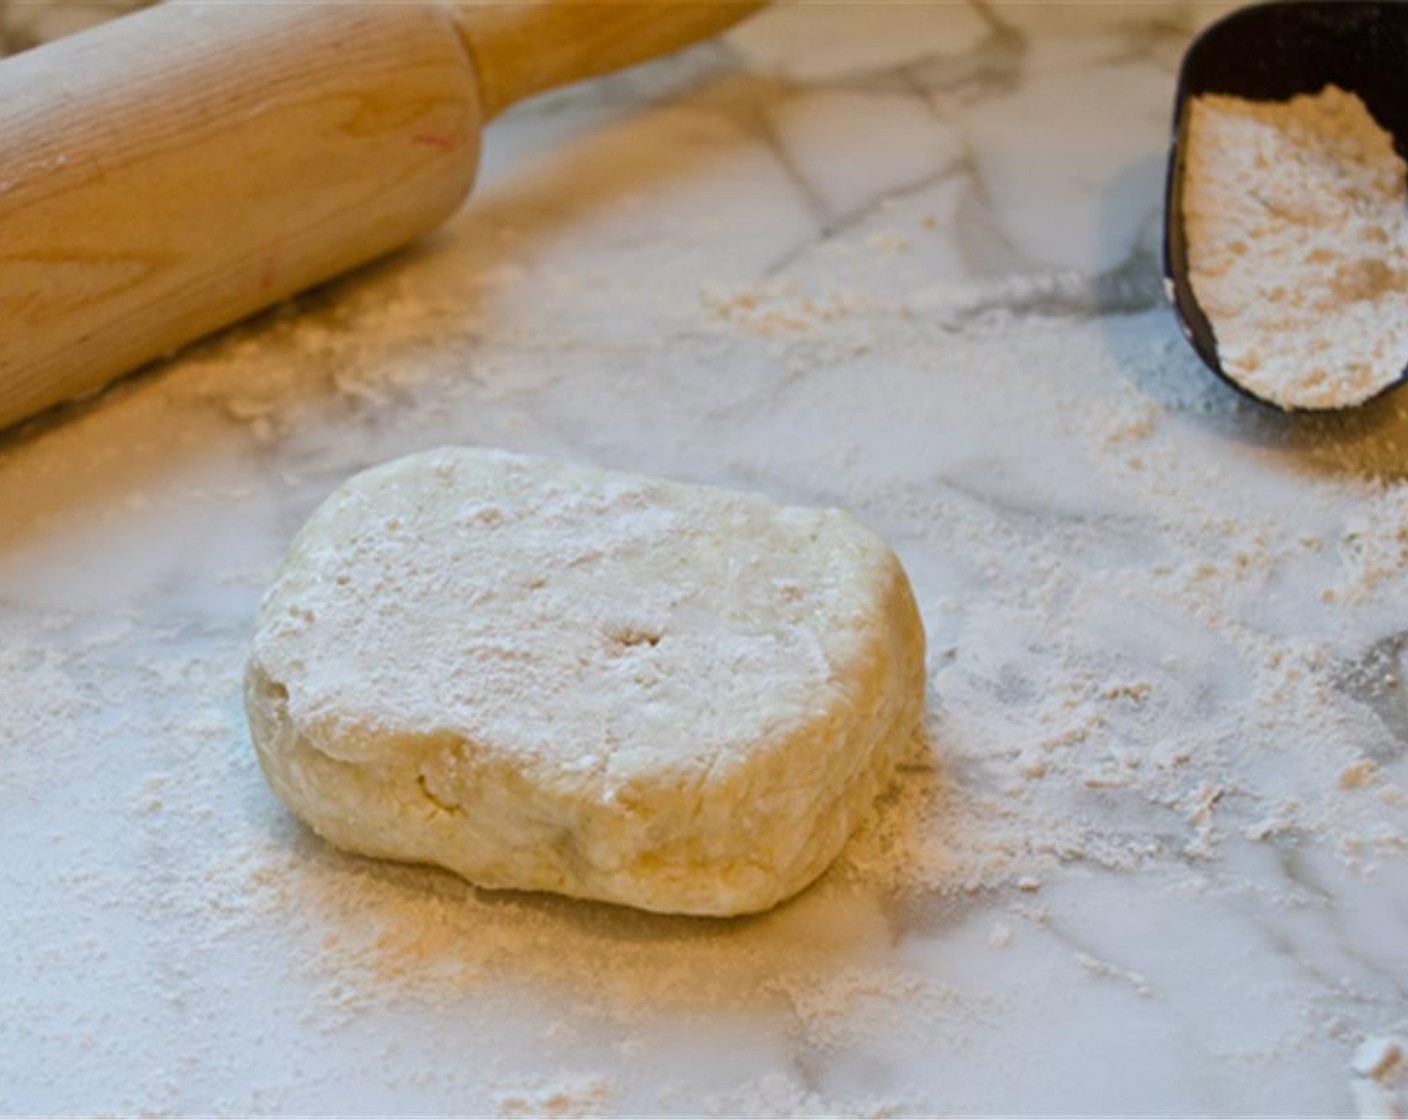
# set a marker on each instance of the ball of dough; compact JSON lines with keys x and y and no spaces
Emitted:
{"x":552,"y":678}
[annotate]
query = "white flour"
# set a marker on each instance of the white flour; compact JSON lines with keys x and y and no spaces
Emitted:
{"x":1298,"y":245}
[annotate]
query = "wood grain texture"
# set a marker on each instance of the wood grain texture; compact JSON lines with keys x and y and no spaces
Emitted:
{"x":521,"y":49}
{"x":178,"y":169}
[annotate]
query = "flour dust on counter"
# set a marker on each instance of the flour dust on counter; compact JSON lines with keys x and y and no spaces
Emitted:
{"x":1150,"y":852}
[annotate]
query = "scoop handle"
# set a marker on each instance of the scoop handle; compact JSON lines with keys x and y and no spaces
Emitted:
{"x":524,"y":48}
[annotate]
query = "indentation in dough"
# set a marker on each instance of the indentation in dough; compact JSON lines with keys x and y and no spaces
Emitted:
{"x":437,"y":803}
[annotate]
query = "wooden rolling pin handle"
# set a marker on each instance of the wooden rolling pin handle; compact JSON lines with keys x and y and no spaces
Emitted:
{"x":175,"y":170}
{"x":521,"y":49}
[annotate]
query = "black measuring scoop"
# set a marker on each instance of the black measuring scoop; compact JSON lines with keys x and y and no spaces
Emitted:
{"x":1272,"y":52}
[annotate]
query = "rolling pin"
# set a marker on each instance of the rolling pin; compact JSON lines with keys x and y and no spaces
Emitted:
{"x":175,"y":170}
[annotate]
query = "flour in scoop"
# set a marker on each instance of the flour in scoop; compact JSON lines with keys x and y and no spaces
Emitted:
{"x":1298,"y":245}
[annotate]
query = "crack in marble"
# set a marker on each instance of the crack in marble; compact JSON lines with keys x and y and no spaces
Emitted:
{"x":831,"y":226}
{"x":990,"y":68}
{"x":984,"y":245}
{"x":1291,"y":860}
{"x":815,"y":205}
{"x":1375,"y":679}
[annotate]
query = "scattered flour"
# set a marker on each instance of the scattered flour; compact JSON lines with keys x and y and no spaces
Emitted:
{"x":782,"y":310}
{"x":1106,"y":971}
{"x":1298,"y":245}
{"x":561,"y":1096}
{"x":1109,"y":702}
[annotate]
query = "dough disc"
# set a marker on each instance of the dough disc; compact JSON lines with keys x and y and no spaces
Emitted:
{"x":546,"y":677}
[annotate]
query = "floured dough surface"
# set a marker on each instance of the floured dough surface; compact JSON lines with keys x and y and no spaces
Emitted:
{"x":548,"y":677}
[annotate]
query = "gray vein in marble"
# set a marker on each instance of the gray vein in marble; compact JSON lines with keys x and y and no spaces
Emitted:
{"x":831,"y":225}
{"x":1376,"y":679}
{"x":993,"y":66}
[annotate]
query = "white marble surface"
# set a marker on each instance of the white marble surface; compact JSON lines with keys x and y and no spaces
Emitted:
{"x":899,"y":258}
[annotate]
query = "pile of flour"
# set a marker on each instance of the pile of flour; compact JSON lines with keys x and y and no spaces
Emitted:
{"x":1298,"y":245}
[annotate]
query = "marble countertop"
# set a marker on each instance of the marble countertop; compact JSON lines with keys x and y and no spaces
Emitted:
{"x":901,"y":258}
